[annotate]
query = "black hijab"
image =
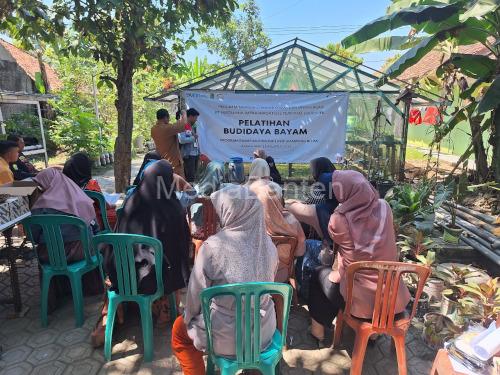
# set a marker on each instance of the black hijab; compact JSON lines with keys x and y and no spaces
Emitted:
{"x":158,"y":214}
{"x":322,"y":170}
{"x":79,"y":169}
{"x":320,"y":166}
{"x":275,"y":174}
{"x":151,"y":155}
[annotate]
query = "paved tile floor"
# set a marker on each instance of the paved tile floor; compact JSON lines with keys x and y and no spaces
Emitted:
{"x":63,"y":349}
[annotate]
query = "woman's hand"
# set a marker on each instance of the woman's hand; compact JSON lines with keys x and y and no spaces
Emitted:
{"x":181,"y":184}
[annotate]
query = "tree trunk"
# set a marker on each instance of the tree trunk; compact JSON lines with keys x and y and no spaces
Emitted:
{"x":45,"y":107}
{"x":494,"y":141}
{"x":479,"y":152}
{"x":123,"y":104}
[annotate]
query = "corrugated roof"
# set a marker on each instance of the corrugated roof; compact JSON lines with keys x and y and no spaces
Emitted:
{"x":430,"y":62}
{"x":29,"y":64}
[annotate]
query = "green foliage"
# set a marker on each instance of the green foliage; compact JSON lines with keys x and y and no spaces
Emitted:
{"x":343,"y":55}
{"x":241,"y":37}
{"x":408,"y":201}
{"x":40,"y":87}
{"x":417,"y":247}
{"x":77,"y":130}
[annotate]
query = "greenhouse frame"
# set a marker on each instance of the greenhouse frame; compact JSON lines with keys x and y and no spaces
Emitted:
{"x":377,"y":125}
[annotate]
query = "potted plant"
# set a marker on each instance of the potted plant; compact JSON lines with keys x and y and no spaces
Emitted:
{"x":481,"y":302}
{"x":434,"y":286}
{"x":454,"y":278}
{"x":452,"y":232}
{"x":438,"y":329}
{"x":411,"y":281}
{"x":413,"y":246}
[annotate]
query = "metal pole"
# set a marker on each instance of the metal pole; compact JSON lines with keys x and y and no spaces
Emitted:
{"x":43,"y":133}
{"x":404,"y":138}
{"x":2,"y":124}
{"x":96,"y":110}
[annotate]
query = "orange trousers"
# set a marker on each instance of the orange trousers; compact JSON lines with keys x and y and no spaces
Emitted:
{"x":190,"y":358}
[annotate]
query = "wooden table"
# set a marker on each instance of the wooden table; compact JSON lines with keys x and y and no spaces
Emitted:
{"x":10,"y":253}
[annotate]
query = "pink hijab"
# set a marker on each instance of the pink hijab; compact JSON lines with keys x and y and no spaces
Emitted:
{"x":62,"y":194}
{"x":365,"y":213}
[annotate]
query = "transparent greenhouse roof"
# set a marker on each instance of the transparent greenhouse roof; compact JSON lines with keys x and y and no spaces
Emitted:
{"x":292,"y":66}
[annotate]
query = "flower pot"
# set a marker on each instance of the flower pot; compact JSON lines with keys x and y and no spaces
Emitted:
{"x":451,"y":235}
{"x":434,"y":289}
{"x":111,"y":157}
{"x":106,"y":157}
{"x":422,"y":305}
{"x":103,"y":160}
{"x":97,"y":162}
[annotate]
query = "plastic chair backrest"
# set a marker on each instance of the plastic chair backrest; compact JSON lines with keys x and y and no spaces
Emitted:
{"x":51,"y":231}
{"x":209,"y":226}
{"x":99,"y":198}
{"x":389,"y":277}
{"x":122,"y":245}
{"x":248,"y":345}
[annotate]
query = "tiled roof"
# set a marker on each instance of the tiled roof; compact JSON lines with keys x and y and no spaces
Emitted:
{"x":434,"y":59}
{"x":29,"y":64}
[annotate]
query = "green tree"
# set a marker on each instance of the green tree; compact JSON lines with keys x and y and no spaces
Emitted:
{"x":461,"y":22}
{"x":241,"y":37}
{"x":343,"y":55}
{"x":128,"y":36}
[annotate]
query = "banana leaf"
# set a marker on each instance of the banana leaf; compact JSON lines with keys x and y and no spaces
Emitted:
{"x":491,"y":99}
{"x":386,"y":43}
{"x":479,"y":9}
{"x":474,"y":66}
{"x":414,"y":55}
{"x":409,"y":16}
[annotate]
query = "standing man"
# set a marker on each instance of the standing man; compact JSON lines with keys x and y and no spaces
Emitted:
{"x":189,"y":145}
{"x":165,"y":137}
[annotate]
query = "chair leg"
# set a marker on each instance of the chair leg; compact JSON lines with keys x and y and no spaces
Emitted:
{"x":77,"y":291}
{"x":44,"y":298}
{"x":147,"y":330}
{"x":295,"y":296}
{"x":210,"y":366}
{"x":358,"y":353}
{"x":110,"y":322}
{"x":173,"y":306}
{"x":337,"y":334}
{"x":399,"y":342}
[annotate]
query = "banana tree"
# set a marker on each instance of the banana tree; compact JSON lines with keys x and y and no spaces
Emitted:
{"x":434,"y":23}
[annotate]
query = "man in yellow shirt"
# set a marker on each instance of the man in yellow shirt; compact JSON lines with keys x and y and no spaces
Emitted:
{"x":9,"y":152}
{"x":166,"y":141}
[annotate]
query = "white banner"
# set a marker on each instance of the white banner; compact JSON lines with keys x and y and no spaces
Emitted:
{"x":292,"y":128}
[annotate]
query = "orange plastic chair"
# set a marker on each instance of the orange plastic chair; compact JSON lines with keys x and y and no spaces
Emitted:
{"x":209,"y":226}
{"x":383,"y":322}
{"x":289,"y":260}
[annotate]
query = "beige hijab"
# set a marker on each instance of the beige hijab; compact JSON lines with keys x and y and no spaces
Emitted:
{"x":279,"y":222}
{"x":242,"y":249}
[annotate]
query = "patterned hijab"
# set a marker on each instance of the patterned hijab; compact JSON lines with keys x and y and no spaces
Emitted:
{"x":62,"y":194}
{"x":243,"y":251}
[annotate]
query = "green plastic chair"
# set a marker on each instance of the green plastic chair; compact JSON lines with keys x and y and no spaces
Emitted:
{"x":51,"y":230}
{"x":123,"y":250}
{"x":99,"y":197}
{"x":248,"y":354}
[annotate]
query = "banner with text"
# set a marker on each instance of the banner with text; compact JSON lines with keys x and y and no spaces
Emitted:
{"x":292,"y":128}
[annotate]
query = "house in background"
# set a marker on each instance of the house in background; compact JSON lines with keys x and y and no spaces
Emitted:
{"x":18,"y":70}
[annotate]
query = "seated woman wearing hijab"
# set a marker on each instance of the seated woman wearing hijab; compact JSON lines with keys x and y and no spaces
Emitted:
{"x":317,"y":215}
{"x":60,"y":196}
{"x":79,"y":169}
{"x":157,"y":214}
{"x":149,"y":158}
{"x":362,"y":229}
{"x":240,"y":252}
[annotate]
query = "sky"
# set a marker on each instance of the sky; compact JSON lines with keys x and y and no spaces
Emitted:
{"x":316,"y":21}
